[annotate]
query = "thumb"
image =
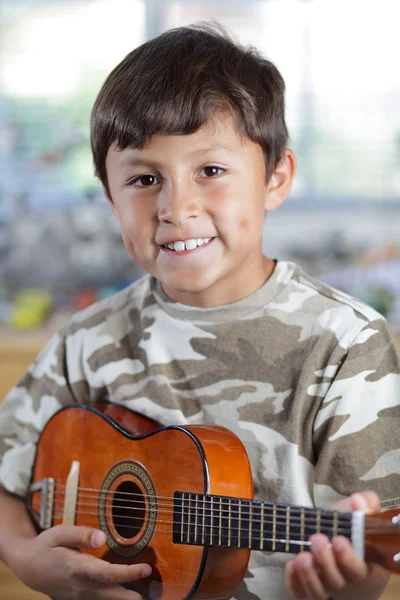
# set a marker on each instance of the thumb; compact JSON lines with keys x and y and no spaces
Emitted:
{"x":70,"y":536}
{"x":367,"y":501}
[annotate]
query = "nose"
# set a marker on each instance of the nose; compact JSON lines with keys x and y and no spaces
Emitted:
{"x":177,"y":205}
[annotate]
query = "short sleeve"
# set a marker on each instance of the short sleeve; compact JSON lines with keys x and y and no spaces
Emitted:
{"x":357,"y":428}
{"x":25,"y":411}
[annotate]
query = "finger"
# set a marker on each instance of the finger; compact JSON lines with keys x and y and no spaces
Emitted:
{"x":117,"y":592}
{"x":107,"y":573}
{"x":351,"y":566}
{"x":293,"y":582}
{"x":70,"y":536}
{"x":328,"y":570}
{"x":368,"y":501}
{"x":309,"y":577}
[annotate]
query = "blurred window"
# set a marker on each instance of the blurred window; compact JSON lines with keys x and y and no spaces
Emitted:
{"x":339,"y":59}
{"x":54,"y":57}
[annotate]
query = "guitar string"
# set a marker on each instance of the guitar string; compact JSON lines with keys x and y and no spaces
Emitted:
{"x":171,"y":500}
{"x":341,"y":526}
{"x":280,"y":518}
{"x":204,"y":526}
{"x":345,"y":516}
{"x":95,"y":493}
{"x":214,"y":528}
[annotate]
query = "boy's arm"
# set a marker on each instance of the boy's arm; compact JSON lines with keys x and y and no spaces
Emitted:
{"x":334,"y":570}
{"x":52,"y":563}
{"x":15,"y":524}
{"x":356,"y":444}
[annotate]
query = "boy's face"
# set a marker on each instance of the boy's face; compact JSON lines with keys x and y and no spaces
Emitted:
{"x":191,"y":210}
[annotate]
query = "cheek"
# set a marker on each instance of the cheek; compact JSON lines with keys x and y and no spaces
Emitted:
{"x":134,"y":220}
{"x":244,"y":224}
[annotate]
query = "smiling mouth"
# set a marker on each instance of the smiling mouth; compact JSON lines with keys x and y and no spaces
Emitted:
{"x":184,"y":245}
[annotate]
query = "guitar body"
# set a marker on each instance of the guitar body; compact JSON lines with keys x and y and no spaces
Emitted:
{"x":128,"y":460}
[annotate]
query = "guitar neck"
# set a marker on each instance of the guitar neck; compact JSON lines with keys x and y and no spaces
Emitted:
{"x":206,"y":520}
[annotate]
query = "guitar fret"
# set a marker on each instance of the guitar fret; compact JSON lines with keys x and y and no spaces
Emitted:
{"x":335,"y":523}
{"x":274,"y":529}
{"x":262,"y":527}
{"x":204,"y":520}
{"x":196,"y":518}
{"x":220,"y":522}
{"x":189,"y":514}
{"x":287,"y":528}
{"x":230,"y":523}
{"x":239,"y":521}
{"x":183,"y":516}
{"x":211,"y":520}
{"x":302,"y":528}
{"x":318,"y":521}
{"x":250,"y":523}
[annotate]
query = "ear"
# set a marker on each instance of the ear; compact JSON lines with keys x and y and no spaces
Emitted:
{"x":280,"y":182}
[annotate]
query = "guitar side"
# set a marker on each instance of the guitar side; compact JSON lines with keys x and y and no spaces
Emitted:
{"x":126,"y":457}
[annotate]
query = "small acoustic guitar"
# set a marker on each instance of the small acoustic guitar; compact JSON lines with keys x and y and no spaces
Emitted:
{"x":180,"y":499}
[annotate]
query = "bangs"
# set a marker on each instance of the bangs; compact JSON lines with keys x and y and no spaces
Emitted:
{"x":180,"y":116}
{"x":176,"y":83}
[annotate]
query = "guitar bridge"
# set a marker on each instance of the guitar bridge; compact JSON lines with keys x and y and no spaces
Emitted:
{"x":47,"y":487}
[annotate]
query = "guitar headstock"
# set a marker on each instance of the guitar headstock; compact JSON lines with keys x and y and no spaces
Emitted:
{"x":382,"y":539}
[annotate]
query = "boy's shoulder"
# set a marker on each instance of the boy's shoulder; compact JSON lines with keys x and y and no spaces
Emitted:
{"x":123,"y":305}
{"x":317,"y":308}
{"x":332,"y":297}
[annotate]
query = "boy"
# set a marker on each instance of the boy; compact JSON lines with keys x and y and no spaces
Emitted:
{"x":189,"y":142}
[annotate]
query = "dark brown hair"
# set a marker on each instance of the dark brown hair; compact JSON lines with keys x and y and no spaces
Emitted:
{"x":176,"y":82}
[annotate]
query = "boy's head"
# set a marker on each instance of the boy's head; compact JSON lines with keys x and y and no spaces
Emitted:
{"x":188,"y":137}
{"x":176,"y":82}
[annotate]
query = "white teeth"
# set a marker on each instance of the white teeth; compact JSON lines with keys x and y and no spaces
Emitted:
{"x":179,"y":246}
{"x":191,"y":244}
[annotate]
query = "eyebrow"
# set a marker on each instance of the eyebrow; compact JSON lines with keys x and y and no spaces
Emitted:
{"x":138,"y":161}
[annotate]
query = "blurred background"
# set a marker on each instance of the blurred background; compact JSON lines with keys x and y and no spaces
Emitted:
{"x":60,"y":247}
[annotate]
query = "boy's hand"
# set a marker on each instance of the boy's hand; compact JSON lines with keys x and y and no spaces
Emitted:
{"x":52,"y":563}
{"x":330,"y":567}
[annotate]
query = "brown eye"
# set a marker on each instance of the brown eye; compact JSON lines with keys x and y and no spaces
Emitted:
{"x":145,"y":181}
{"x":212,"y":171}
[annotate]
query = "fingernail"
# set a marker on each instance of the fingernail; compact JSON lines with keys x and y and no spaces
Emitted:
{"x":289,"y":568}
{"x":146,"y":571}
{"x":361,"y":501}
{"x":306,"y":563}
{"x":318,"y":545}
{"x":98,"y":538}
{"x":339,"y":544}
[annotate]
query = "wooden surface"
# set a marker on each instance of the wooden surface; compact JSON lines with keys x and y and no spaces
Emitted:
{"x":16,"y":355}
{"x":12,"y":589}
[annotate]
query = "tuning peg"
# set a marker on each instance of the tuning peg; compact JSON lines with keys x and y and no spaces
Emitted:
{"x":396,"y":558}
{"x":396,"y":520}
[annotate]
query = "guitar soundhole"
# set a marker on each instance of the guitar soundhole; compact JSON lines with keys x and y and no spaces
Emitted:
{"x":128,"y":509}
{"x":129,"y":519}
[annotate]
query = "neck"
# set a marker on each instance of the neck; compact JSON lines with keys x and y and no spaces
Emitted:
{"x":205,"y":520}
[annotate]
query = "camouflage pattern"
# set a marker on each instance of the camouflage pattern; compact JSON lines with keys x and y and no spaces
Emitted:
{"x":306,"y":376}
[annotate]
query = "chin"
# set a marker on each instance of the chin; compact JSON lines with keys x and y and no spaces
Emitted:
{"x":189,"y":285}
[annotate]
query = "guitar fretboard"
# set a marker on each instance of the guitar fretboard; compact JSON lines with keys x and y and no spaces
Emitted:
{"x":206,"y":520}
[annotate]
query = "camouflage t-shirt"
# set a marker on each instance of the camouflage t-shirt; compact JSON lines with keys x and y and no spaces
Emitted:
{"x":306,"y":376}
